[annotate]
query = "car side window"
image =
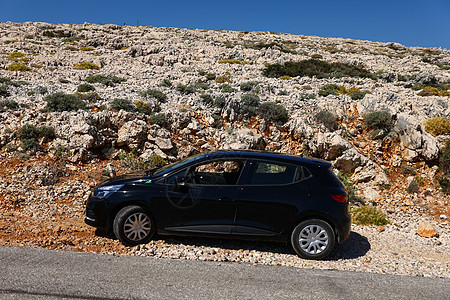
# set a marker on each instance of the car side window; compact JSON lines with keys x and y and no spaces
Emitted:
{"x":224,"y":172}
{"x":272,"y":173}
{"x":171,"y":179}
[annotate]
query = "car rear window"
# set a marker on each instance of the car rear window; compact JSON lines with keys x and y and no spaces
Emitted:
{"x":272,"y":173}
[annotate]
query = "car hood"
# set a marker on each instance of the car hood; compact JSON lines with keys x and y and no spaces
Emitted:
{"x":125,"y":178}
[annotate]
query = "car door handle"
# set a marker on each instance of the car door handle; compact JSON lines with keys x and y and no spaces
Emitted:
{"x":225,"y":199}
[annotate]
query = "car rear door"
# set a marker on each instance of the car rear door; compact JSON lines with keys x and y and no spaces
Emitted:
{"x":269,"y":199}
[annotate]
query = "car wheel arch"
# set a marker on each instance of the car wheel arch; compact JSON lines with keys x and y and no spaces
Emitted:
{"x":115,"y":210}
{"x":313,"y":215}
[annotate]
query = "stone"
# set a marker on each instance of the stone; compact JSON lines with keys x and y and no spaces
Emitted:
{"x":425,"y":229}
{"x":132,"y":132}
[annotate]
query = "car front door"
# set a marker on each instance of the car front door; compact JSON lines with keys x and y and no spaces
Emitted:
{"x":200,"y":199}
{"x":269,"y":199}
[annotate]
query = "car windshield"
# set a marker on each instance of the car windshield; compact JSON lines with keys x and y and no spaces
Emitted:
{"x":169,"y":167}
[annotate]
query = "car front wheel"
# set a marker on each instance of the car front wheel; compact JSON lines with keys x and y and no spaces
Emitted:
{"x":313,"y":239}
{"x":133,"y":225}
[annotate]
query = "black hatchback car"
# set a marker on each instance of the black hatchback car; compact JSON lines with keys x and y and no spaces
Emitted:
{"x":242,"y":194}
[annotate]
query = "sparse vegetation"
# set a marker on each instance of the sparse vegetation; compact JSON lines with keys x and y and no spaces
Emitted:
{"x":273,"y":112}
{"x":349,"y":185}
{"x":207,"y":99}
{"x":156,"y":94}
{"x":437,"y":126}
{"x":222,"y":79}
{"x":334,"y":89}
{"x":226,"y":88}
{"x":90,"y":97}
{"x":159,"y":119}
{"x":166,"y":83}
{"x":444,"y":159}
{"x":84,"y":88}
{"x":134,"y":163}
{"x":327,"y":119}
{"x":444,"y":182}
{"x":232,"y":61}
{"x":63,"y":102}
{"x":105,"y":80}
{"x":379,"y":119}
{"x":434,"y":91}
{"x":249,"y":104}
{"x":368,"y":215}
{"x":413,"y":187}
{"x":122,"y":104}
{"x":318,"y":68}
{"x":186,"y":89}
{"x":86,"y":48}
{"x":219,"y":102}
{"x":87,"y":65}
{"x":17,"y":66}
{"x":143,"y":107}
{"x":209,"y":76}
{"x":4,"y":91}
{"x":29,"y":135}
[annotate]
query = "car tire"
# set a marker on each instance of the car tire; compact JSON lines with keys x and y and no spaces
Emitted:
{"x":313,"y":239}
{"x":133,"y":225}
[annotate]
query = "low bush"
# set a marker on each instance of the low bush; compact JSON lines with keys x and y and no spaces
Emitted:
{"x":209,"y":76}
{"x":232,"y":61}
{"x":349,"y":185}
{"x":86,"y":48}
{"x":158,"y":95}
{"x":122,"y":104}
{"x":90,"y":97}
{"x":444,"y":159}
{"x":315,"y":67}
{"x":159,"y":119}
{"x":143,"y":107}
{"x":249,"y":104}
{"x":407,"y":170}
{"x":4,"y":91}
{"x":42,"y":90}
{"x":413,"y":187}
{"x":8,"y":105}
{"x":226,"y":88}
{"x":331,"y":89}
{"x":87,"y":65}
{"x":63,"y":102}
{"x":219,"y":102}
{"x":84,"y":88}
{"x":222,"y":79}
{"x":207,"y":99}
{"x":378,"y":120}
{"x":327,"y":119}
{"x":368,"y":215}
{"x":18,"y":67}
{"x":444,"y":182}
{"x":285,"y":77}
{"x":166,"y":83}
{"x":433,"y":91}
{"x":273,"y":112}
{"x":186,"y":89}
{"x":437,"y":126}
{"x":134,"y":163}
{"x":29,"y":135}
{"x":105,"y":80}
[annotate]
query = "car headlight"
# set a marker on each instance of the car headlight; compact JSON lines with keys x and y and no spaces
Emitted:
{"x":104,"y":192}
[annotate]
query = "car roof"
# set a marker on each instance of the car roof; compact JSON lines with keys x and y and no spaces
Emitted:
{"x":265,"y":155}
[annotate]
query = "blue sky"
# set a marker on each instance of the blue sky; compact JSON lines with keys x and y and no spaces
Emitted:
{"x":411,"y":23}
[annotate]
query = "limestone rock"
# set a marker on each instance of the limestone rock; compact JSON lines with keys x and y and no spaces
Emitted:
{"x":425,"y":229}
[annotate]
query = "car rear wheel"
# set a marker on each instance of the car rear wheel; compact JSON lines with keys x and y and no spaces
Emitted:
{"x":133,"y":225}
{"x":313,"y":239}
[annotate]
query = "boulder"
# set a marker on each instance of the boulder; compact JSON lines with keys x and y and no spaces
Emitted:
{"x":425,"y":229}
{"x":132,"y":133}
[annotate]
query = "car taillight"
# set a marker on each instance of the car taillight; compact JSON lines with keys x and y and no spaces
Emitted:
{"x":341,"y":198}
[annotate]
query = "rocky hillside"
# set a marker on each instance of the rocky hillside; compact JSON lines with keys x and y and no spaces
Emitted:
{"x":79,"y":103}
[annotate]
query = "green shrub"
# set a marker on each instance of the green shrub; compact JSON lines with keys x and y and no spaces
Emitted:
{"x":444,"y":182}
{"x":4,"y":91}
{"x":158,"y":95}
{"x":285,"y":77}
{"x":166,"y":83}
{"x":316,"y":56}
{"x":413,"y":187}
{"x":18,"y":67}
{"x":357,"y":95}
{"x":42,"y":90}
{"x":219,"y":102}
{"x":327,"y":119}
{"x":143,"y":107}
{"x":209,"y":76}
{"x":63,"y":102}
{"x":368,"y":215}
{"x":314,"y":67}
{"x":437,"y":126}
{"x":330,"y":89}
{"x":378,"y":120}
{"x":86,"y":48}
{"x":232,"y":61}
{"x":87,"y":65}
{"x":159,"y":119}
{"x":222,"y":79}
{"x":249,"y":104}
{"x":226,"y":88}
{"x":84,"y":88}
{"x":105,"y":80}
{"x":434,"y":91}
{"x":186,"y":89}
{"x":134,"y":163}
{"x":29,"y":135}
{"x":56,"y":33}
{"x":62,"y":80}
{"x":444,"y":159}
{"x":90,"y":97}
{"x":122,"y":104}
{"x":349,"y":185}
{"x":273,"y":112}
{"x":8,"y":104}
{"x":207,"y":99}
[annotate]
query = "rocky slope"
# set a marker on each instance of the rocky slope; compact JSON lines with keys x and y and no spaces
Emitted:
{"x":166,"y":93}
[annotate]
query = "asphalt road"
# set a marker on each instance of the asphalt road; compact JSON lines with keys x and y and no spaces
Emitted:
{"x":44,"y":274}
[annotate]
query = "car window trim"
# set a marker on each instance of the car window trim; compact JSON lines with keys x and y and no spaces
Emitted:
{"x":253,"y":164}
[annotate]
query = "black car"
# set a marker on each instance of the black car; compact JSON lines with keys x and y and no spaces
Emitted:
{"x":242,"y":194}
